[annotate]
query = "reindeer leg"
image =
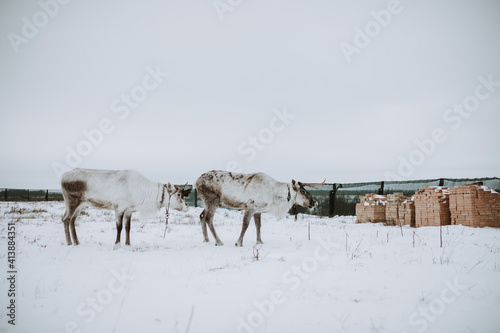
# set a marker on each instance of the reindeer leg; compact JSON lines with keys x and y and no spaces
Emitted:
{"x":210,"y":218}
{"x":73,"y":229}
{"x":203,"y":221}
{"x":119,"y":225}
{"x":70,"y":214}
{"x":128,"y":217}
{"x":256,"y":218}
{"x":76,"y":211}
{"x":246,"y":221}
{"x":66,"y":231}
{"x":66,"y":218}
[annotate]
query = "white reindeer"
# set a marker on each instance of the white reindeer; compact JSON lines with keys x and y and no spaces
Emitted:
{"x":125,"y":191}
{"x":255,"y":193}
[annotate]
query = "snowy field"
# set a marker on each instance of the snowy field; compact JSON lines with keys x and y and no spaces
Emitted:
{"x":347,"y":278}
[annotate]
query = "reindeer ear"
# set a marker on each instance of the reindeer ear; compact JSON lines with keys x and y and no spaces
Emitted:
{"x":170,"y":188}
{"x":293,"y":182}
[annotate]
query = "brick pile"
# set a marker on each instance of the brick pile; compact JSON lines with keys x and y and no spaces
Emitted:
{"x":371,"y":208}
{"x":392,"y":208}
{"x":432,"y":206}
{"x":407,"y":212}
{"x":474,"y":206}
{"x":400,"y":210}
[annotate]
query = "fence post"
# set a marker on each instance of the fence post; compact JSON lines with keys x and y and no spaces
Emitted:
{"x":47,"y":195}
{"x":195,"y":198}
{"x":441,"y":181}
{"x":331,"y":205}
{"x":6,"y":194}
{"x":381,"y":189}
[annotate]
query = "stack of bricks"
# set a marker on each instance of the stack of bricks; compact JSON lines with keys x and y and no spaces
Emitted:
{"x":407,"y":212}
{"x":400,"y":210}
{"x":371,"y":208}
{"x":474,"y":206}
{"x":432,"y":206}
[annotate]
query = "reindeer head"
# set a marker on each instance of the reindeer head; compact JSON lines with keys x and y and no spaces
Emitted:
{"x":177,"y":194}
{"x":185,"y":192}
{"x":303,"y":197}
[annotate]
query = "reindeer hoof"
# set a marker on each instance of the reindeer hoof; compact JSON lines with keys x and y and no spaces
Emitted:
{"x":206,"y":241}
{"x":219,"y":244}
{"x":117,"y":246}
{"x":259,"y":242}
{"x":238,"y":244}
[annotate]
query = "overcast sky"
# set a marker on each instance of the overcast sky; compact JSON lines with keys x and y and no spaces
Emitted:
{"x":343,"y":90}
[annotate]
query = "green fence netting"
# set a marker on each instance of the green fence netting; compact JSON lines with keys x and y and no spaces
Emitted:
{"x":7,"y":194}
{"x":333,"y":199}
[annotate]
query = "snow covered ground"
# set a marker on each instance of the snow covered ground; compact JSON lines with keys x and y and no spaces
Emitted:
{"x":347,"y":278}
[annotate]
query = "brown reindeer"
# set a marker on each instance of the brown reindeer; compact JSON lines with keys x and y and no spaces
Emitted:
{"x":254,"y":193}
